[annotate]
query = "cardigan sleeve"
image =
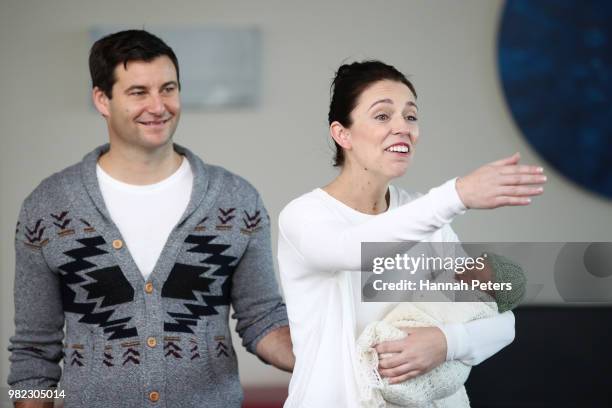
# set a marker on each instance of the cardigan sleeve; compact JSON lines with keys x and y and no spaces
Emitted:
{"x":36,"y":346}
{"x":326,"y":243}
{"x":258,"y":306}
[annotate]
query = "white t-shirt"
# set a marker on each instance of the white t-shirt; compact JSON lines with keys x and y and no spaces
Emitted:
{"x":319,"y":251}
{"x":146,"y":214}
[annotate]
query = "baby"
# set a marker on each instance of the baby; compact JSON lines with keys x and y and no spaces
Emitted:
{"x":442,"y":386}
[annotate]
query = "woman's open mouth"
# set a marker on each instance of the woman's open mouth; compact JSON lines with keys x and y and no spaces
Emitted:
{"x":402,"y":149}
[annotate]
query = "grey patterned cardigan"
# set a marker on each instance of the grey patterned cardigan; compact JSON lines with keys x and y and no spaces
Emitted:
{"x":164,"y":342}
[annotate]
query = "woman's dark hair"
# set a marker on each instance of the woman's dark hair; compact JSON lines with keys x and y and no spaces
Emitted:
{"x":121,"y":48}
{"x":350,"y":81}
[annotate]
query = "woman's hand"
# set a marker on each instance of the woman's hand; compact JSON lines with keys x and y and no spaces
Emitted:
{"x":423,"y":349}
{"x":501,"y":183}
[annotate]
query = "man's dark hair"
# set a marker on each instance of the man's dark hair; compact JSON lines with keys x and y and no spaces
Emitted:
{"x":350,"y":82}
{"x":121,"y":48}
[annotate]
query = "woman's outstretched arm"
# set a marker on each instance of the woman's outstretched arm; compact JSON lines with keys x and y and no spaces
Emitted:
{"x":327,"y":243}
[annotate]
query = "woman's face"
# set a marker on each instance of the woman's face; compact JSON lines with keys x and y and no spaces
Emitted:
{"x":384,"y":130}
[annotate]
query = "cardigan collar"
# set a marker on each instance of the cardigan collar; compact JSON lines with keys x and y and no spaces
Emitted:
{"x":90,"y":179}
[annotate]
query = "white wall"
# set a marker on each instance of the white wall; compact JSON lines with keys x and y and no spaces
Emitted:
{"x":282,"y":147}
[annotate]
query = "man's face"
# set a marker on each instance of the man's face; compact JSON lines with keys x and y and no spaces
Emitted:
{"x":145,"y":106}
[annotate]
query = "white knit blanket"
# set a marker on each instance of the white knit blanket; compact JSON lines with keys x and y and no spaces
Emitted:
{"x":441,"y":387}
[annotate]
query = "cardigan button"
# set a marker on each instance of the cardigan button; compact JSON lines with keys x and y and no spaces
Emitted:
{"x":151,"y":342}
{"x":154,"y":396}
{"x":148,"y":287}
{"x":117,"y":244}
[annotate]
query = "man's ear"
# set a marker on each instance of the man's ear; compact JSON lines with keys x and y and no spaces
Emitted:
{"x":101,"y":101}
{"x":341,"y":135}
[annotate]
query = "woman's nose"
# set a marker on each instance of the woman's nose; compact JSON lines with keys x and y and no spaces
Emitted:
{"x":401,"y":126}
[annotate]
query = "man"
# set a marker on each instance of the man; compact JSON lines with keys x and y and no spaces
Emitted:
{"x":140,"y":249}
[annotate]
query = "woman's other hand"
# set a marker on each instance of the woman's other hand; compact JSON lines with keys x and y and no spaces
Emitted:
{"x":501,"y":183}
{"x":423,"y":349}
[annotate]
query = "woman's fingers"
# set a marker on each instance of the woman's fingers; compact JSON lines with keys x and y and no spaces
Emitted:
{"x":391,"y":360}
{"x":521,"y":191}
{"x":507,"y":160}
{"x":521,"y":169}
{"x":404,"y":377}
{"x":521,"y":179}
{"x":503,"y":201}
{"x":500,"y":183}
{"x":400,"y":373}
{"x":392,"y":346}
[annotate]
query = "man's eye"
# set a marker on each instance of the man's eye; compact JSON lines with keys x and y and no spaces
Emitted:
{"x":137,"y":93}
{"x":169,"y":89}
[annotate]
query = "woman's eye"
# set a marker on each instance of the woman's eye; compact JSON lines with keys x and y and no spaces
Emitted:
{"x":381,"y":116}
{"x":411,"y":118}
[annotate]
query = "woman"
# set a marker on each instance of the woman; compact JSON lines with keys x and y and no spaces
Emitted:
{"x":373,"y":121}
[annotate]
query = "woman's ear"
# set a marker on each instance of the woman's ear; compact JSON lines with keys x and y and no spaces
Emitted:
{"x":341,"y":135}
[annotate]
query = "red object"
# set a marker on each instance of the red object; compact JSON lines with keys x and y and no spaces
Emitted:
{"x":264,"y":397}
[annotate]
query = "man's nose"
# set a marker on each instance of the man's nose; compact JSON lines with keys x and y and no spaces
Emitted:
{"x":156,"y":104}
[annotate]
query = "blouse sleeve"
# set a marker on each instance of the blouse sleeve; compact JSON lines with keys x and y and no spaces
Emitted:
{"x":326,"y":243}
{"x":477,"y":340}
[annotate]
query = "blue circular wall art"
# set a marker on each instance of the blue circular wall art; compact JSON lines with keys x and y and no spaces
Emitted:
{"x":555,"y":63}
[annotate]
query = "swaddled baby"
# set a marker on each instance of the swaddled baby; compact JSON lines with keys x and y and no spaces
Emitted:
{"x":442,"y":386}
